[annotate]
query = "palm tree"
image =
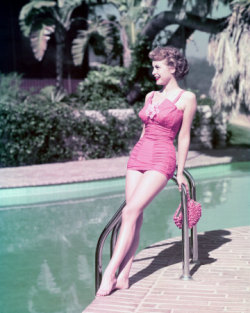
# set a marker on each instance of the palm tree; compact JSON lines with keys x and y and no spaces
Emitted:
{"x":40,"y":19}
{"x":188,"y":16}
{"x":229,"y":54}
{"x":131,"y":16}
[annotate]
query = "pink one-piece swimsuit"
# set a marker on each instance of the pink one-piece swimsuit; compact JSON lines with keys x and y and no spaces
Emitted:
{"x":155,"y":150}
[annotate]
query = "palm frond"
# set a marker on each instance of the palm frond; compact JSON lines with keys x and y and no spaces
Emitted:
{"x":29,"y":10}
{"x":118,"y":3}
{"x":228,"y":53}
{"x":105,"y":31}
{"x":66,"y":8}
{"x":80,"y":43}
{"x":60,"y":3}
{"x":79,"y":46}
{"x":68,"y":3}
{"x":39,"y":40}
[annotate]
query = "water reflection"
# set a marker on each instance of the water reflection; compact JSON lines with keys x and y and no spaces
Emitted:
{"x":216,"y":191}
{"x":84,"y":269}
{"x":47,"y":254}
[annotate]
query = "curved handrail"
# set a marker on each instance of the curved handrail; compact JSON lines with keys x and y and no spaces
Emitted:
{"x":98,"y":255}
{"x":114,"y":225}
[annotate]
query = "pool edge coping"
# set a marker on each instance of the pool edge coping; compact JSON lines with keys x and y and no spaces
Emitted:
{"x":96,"y":169}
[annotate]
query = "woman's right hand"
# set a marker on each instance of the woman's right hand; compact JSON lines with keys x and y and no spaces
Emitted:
{"x":181,"y":180}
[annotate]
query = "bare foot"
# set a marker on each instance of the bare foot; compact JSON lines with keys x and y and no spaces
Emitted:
{"x":122,"y":283}
{"x":107,"y":286}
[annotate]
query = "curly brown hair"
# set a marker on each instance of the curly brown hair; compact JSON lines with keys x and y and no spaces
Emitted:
{"x":173,"y":57}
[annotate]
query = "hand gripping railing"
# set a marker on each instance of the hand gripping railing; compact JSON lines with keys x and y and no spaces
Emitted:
{"x":115,"y":222}
{"x":194,"y":237}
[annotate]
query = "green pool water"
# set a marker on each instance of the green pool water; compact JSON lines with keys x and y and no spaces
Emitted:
{"x":49,"y":234}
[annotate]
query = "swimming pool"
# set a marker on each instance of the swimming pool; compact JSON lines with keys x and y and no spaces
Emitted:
{"x":47,"y":248}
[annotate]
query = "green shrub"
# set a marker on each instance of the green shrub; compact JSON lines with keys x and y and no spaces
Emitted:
{"x":36,"y":129}
{"x":205,"y":101}
{"x":102,"y":89}
{"x":107,"y":87}
{"x":140,"y":71}
{"x":114,"y":138}
{"x":10,"y":87}
{"x":33,"y":132}
{"x":196,"y":123}
{"x":238,"y":135}
{"x":50,"y":127}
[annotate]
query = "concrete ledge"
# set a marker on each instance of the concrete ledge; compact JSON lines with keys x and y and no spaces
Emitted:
{"x":80,"y":171}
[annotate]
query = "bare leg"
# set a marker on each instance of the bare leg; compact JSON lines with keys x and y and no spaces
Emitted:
{"x":132,"y":180}
{"x":124,"y":269}
{"x":148,"y":187}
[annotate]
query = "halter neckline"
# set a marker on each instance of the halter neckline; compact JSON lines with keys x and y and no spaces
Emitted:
{"x":172,"y":102}
{"x":154,"y":108}
{"x":175,"y":100}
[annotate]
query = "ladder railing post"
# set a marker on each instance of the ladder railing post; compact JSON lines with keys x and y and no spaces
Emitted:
{"x":185,"y":236}
{"x":194,"y":237}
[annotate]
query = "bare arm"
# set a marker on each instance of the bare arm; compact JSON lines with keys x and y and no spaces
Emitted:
{"x":184,"y":134}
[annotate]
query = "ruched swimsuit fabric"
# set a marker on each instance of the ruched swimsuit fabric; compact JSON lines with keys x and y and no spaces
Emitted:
{"x":155,"y":150}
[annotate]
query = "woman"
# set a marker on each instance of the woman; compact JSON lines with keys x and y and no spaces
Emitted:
{"x":152,"y":162}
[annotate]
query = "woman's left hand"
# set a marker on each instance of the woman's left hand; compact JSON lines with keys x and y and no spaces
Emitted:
{"x":181,"y":180}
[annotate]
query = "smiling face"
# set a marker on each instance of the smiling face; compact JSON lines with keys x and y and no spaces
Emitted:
{"x":162,"y":72}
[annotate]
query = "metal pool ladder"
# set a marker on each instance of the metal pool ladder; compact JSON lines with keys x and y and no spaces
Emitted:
{"x":115,"y":222}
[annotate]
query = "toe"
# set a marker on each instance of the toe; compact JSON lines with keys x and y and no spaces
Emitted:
{"x":105,"y":292}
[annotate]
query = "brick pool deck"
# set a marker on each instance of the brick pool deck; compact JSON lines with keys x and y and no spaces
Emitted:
{"x":221,"y":282}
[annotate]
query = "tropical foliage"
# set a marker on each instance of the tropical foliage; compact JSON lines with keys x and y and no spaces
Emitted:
{"x":129,"y":19}
{"x":188,"y":16}
{"x":40,"y":19}
{"x":229,"y":54}
{"x":95,"y":33}
{"x":34,"y":129}
{"x":131,"y":29}
{"x":38,"y":128}
{"x":103,"y":89}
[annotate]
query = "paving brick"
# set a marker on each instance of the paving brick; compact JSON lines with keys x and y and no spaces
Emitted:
{"x":222,"y":286}
{"x":143,"y":310}
{"x":198,"y":310}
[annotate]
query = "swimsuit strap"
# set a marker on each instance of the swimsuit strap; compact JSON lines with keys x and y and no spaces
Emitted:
{"x":178,"y":97}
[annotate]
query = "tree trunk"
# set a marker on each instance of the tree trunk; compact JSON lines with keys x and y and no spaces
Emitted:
{"x":163,"y":19}
{"x":187,"y":26}
{"x":60,"y":38}
{"x":179,"y":37}
{"x":59,"y":66}
{"x":127,"y":58}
